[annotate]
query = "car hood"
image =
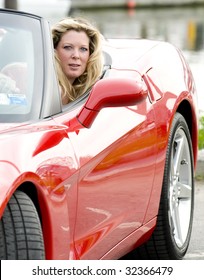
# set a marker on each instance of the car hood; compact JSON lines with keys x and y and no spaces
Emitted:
{"x":126,"y":52}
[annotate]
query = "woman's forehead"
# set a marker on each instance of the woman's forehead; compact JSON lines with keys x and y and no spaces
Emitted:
{"x":72,"y":36}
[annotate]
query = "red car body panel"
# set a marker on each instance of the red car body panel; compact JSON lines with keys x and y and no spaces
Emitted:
{"x":98,"y":188}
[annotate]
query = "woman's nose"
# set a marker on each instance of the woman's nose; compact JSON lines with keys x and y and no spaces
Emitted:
{"x":75,"y":53}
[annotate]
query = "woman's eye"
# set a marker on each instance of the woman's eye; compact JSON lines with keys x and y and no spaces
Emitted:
{"x":67,"y":47}
{"x":84,"y":49}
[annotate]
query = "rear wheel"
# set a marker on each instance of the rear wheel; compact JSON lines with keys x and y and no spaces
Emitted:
{"x":171,"y":237}
{"x":20,"y":230}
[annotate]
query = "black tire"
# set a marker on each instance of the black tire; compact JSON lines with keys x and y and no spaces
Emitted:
{"x":171,"y":237}
{"x":20,"y":230}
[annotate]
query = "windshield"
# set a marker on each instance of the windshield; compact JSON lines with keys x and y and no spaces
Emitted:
{"x":21,"y":67}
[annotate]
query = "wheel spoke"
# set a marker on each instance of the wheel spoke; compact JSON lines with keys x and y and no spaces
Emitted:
{"x":177,"y":224}
{"x":185,"y":191}
{"x":179,"y":144}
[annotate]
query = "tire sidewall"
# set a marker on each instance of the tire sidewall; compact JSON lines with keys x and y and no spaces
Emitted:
{"x":175,"y":251}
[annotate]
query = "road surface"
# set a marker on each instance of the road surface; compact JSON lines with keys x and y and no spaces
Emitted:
{"x":196,"y":247}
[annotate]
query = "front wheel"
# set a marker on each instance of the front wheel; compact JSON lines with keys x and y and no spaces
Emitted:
{"x":20,"y":230}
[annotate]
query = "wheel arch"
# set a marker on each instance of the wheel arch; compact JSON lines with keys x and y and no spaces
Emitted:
{"x":51,"y":206}
{"x":44,"y":205}
{"x":190,"y":117}
{"x":31,"y":190}
{"x":160,"y":239}
{"x":186,"y":110}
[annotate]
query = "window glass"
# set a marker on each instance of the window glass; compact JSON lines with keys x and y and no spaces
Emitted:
{"x":21,"y":64}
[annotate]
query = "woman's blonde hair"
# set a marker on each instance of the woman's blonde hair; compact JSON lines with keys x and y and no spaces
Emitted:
{"x":94,"y":65}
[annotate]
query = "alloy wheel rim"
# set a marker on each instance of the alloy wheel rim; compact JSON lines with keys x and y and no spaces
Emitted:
{"x":180,"y":191}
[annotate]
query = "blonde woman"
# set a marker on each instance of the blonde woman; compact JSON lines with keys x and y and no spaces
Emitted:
{"x":78,"y":55}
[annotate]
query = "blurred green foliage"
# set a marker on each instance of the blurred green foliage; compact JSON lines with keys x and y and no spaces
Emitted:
{"x":201,"y":133}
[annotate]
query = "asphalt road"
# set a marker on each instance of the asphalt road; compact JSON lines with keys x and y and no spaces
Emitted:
{"x":196,"y":247}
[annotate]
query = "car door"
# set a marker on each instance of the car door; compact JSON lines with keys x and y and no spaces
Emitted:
{"x":116,"y":156}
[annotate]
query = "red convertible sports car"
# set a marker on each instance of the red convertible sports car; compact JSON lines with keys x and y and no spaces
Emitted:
{"x":108,"y":176}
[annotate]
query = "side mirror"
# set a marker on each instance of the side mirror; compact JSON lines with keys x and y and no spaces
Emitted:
{"x":112,"y":92}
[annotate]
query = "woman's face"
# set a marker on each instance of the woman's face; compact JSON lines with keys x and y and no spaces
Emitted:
{"x":73,"y":52}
